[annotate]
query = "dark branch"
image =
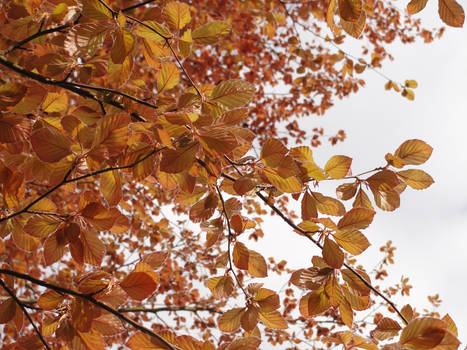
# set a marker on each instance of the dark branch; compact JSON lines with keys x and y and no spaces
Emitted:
{"x":25,"y":312}
{"x":170,"y":309}
{"x":66,"y":180}
{"x":92,"y":300}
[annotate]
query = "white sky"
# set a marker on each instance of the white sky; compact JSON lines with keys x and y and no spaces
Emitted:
{"x":429,"y":229}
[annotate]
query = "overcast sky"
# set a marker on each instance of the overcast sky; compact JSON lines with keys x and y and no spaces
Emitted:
{"x":429,"y":229}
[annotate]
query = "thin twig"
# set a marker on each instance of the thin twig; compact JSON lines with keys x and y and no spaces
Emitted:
{"x":170,"y":309}
{"x":25,"y":312}
{"x":129,"y":8}
{"x":229,"y":243}
{"x":66,"y":180}
{"x":90,"y":299}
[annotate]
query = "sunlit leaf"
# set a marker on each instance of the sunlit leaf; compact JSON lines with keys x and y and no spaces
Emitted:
{"x":210,"y":33}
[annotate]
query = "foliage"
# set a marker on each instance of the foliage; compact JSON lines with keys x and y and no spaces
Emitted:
{"x":140,"y":153}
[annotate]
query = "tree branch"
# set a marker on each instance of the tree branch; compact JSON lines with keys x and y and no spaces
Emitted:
{"x":91,"y":300}
{"x":25,"y":312}
{"x":169,"y":309}
{"x":66,"y":180}
{"x":129,"y":8}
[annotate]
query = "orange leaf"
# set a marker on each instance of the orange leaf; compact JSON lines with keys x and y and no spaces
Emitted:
{"x":415,"y":178}
{"x":177,"y":14}
{"x":346,"y":191}
{"x":231,"y":319}
{"x":308,"y":206}
{"x":451,"y":13}
{"x":111,"y":187}
{"x":350,"y":10}
{"x":42,"y":225}
{"x":355,"y":28}
{"x":241,"y":255}
{"x":362,"y":200}
{"x":415,"y":6}
{"x":273,"y":320}
{"x":176,"y":161}
{"x":50,"y":299}
{"x":414,"y":152}
{"x":204,"y":209}
{"x":7,"y":310}
{"x":273,"y":152}
{"x":257,"y":264}
{"x":356,"y":219}
{"x":54,"y":247}
{"x":332,"y":254}
{"x":249,"y":318}
{"x":221,"y":286}
{"x":217,"y":140}
{"x":138,"y":285}
{"x":50,"y":145}
{"x":328,"y":205}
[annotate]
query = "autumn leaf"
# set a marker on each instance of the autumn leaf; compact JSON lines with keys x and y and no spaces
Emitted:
{"x":332,"y":254}
{"x":451,"y":13}
{"x":139,"y":285}
{"x":221,"y":286}
{"x":415,"y":6}
{"x":356,"y":219}
{"x":230,"y":320}
{"x":350,"y":10}
{"x":210,"y":33}
{"x":338,"y":166}
{"x":414,"y":152}
{"x":232,"y":93}
{"x":416,"y":178}
{"x":352,"y":241}
{"x":167,"y":77}
{"x":177,"y":14}
{"x":50,"y":145}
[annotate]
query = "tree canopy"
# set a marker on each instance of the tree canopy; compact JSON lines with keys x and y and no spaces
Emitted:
{"x":144,"y":144}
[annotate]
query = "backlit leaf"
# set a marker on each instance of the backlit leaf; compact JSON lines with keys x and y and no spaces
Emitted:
{"x":50,"y":299}
{"x":414,"y":152}
{"x":204,"y":209}
{"x":290,"y":184}
{"x":176,"y":161}
{"x":94,"y":9}
{"x":230,"y":320}
{"x":416,"y":178}
{"x":177,"y":14}
{"x":338,"y":166}
{"x":328,"y":205}
{"x":7,"y":310}
{"x":241,"y":256}
{"x":210,"y":33}
{"x":352,"y":241}
{"x":42,"y":225}
{"x":355,"y":28}
{"x":362,"y":200}
{"x":257,"y":264}
{"x":50,"y":145}
{"x":332,"y":254}
{"x":346,"y":191}
{"x":356,"y":219}
{"x":232,"y":93}
{"x":138,"y":285}
{"x":167,"y":77}
{"x":428,"y":333}
{"x":221,"y":286}
{"x":111,"y":187}
{"x":273,"y":320}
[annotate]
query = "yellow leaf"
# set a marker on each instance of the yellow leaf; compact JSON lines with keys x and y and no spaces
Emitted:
{"x":414,"y":152}
{"x":415,"y":6}
{"x":386,"y":328}
{"x":330,"y":14}
{"x":230,"y":320}
{"x":95,"y":9}
{"x":346,"y":313}
{"x":273,"y":152}
{"x":153,"y":31}
{"x":167,"y":77}
{"x":356,"y":219}
{"x":352,"y":241}
{"x":232,"y":93}
{"x":111,"y":187}
{"x":210,"y":33}
{"x":415,"y":178}
{"x":411,"y":84}
{"x":273,"y":320}
{"x":290,"y":184}
{"x":122,"y":46}
{"x":350,"y":10}
{"x":177,"y":14}
{"x":451,"y":326}
{"x":42,"y":225}
{"x":338,"y":166}
{"x":451,"y":13}
{"x":362,"y":200}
